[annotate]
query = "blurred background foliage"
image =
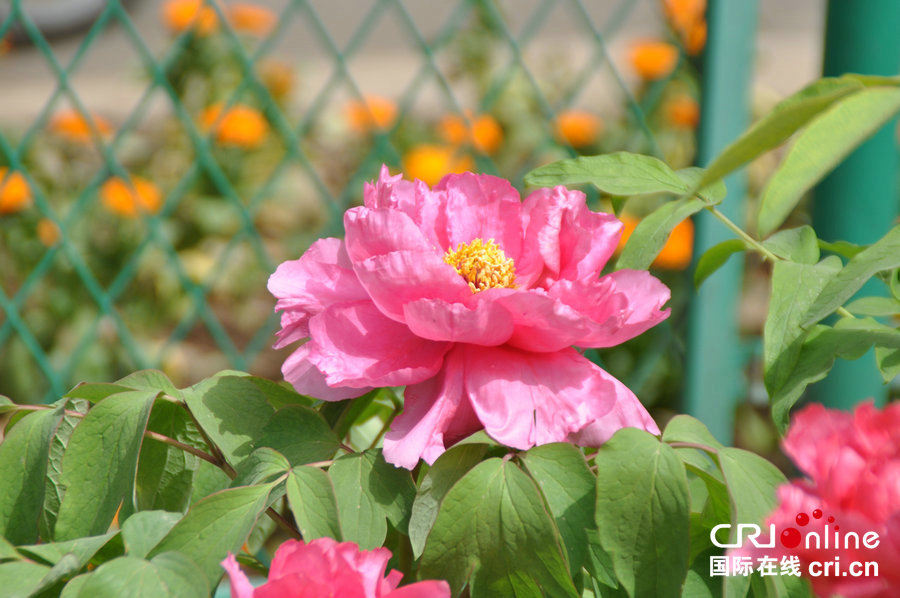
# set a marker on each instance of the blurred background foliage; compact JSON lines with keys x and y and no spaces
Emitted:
{"x":146,"y":240}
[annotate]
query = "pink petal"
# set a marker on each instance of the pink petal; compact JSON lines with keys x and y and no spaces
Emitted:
{"x":378,"y":232}
{"x":400,"y":277}
{"x":541,"y":322}
{"x":525,"y":398}
{"x":422,"y":589}
{"x":485,"y":323}
{"x":631,"y":306}
{"x":628,"y":412}
{"x":304,"y":287}
{"x":416,"y":200}
{"x":240,"y":585}
{"x":484,"y":207}
{"x":815,"y":434}
{"x":308,"y":380}
{"x":355,"y":345}
{"x":435,"y":415}
{"x":573,"y":241}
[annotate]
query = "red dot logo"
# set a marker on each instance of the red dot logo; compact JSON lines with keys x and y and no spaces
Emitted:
{"x":817,"y":513}
{"x":802,"y":519}
{"x":831,"y":520}
{"x":790,"y":538}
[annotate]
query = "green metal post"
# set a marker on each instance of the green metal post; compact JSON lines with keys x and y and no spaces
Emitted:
{"x":714,"y":378}
{"x":858,"y":202}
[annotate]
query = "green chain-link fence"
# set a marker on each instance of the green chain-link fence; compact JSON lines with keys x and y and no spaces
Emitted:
{"x":146,"y":240}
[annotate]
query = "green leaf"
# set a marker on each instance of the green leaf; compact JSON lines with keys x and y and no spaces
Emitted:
{"x":619,"y":173}
{"x":73,"y":588}
{"x":642,"y":512}
{"x":842,"y":248}
{"x":311,"y":497}
{"x":493,"y":533}
{"x":165,"y":577}
{"x":6,"y":405}
{"x":278,"y":394}
{"x":751,"y":482}
{"x":263,"y":465}
{"x":821,"y":147}
{"x":150,"y":380}
{"x":713,"y":193}
{"x":165,"y":475}
{"x":8,"y":551}
{"x":83,"y":549}
{"x":874,"y":306}
{"x":600,"y":564}
{"x":215,"y":526}
{"x":23,"y":465}
{"x":53,"y":489}
{"x":684,"y":428}
{"x":888,"y":361}
{"x":849,"y":339}
{"x":95,"y":392}
{"x":796,"y":244}
{"x":794,"y":288}
{"x":446,"y":471}
{"x":370,"y":491}
{"x":20,"y":578}
{"x":300,"y":434}
{"x":570,"y":490}
{"x":653,"y":231}
{"x":232,"y":411}
{"x":776,"y":127}
{"x":144,"y":530}
{"x":100,"y":464}
{"x":715,"y":257}
{"x":882,"y":255}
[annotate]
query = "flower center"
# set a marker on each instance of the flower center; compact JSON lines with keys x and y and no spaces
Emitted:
{"x":483,"y":265}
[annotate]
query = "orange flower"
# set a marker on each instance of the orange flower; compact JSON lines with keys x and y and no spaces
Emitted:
{"x":181,"y":15}
{"x":688,"y":19}
{"x":15,"y":194}
{"x":278,"y":77}
{"x":48,"y":232}
{"x":370,"y":113}
{"x":695,"y":38}
{"x":653,"y":59}
{"x":429,"y":163}
{"x":481,"y":132}
{"x":130,"y":198}
{"x":676,"y":253}
{"x":75,"y":127}
{"x":251,"y":18}
{"x":240,"y":125}
{"x":682,"y":111}
{"x":578,"y":128}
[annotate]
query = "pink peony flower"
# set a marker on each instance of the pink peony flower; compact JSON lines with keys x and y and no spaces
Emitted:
{"x":853,"y":462}
{"x":472,"y":299}
{"x":325,"y":567}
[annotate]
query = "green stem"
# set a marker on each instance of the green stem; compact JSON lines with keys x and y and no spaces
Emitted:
{"x":759,"y":247}
{"x":383,"y":430}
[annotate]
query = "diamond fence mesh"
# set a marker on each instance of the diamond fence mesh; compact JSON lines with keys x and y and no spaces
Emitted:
{"x":182,"y":149}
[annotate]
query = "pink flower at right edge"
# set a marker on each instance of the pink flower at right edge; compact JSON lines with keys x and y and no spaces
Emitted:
{"x":853,"y":464}
{"x":325,"y":567}
{"x":474,"y":300}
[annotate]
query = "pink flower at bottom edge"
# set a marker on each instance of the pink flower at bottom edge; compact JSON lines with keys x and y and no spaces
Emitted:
{"x":853,"y":464}
{"x":473,"y":300}
{"x":325,"y":567}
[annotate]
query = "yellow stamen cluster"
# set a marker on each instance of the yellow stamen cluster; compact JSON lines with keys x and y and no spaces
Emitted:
{"x":483,"y":265}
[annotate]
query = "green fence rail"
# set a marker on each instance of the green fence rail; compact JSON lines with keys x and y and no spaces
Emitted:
{"x":147,"y":242}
